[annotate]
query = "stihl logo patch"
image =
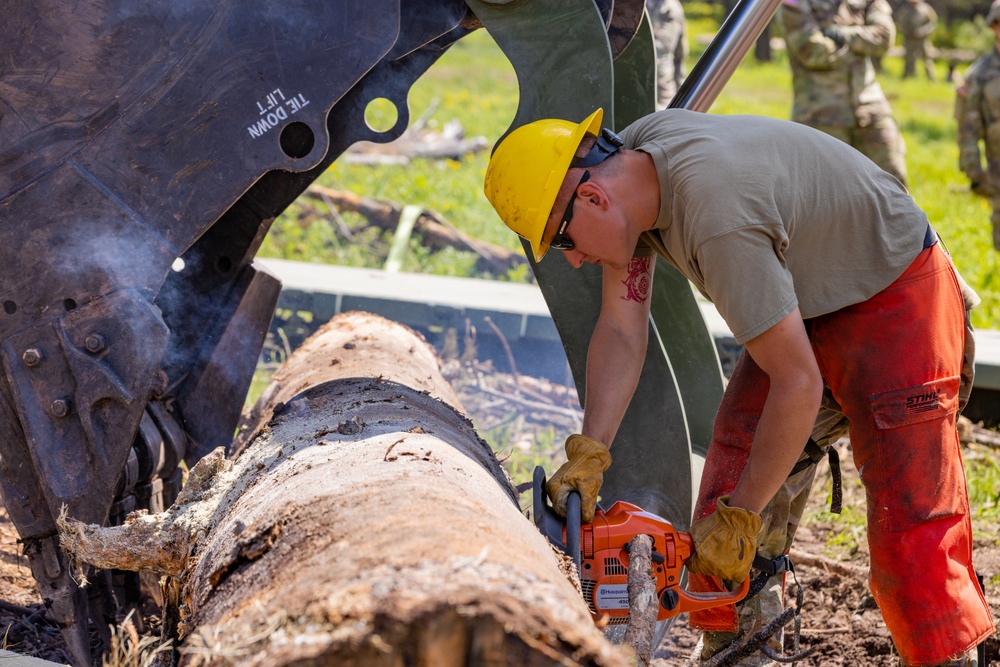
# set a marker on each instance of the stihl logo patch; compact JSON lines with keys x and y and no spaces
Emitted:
{"x":923,"y":402}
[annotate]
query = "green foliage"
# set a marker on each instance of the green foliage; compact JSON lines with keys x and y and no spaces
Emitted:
{"x":851,"y":523}
{"x":703,"y":20}
{"x":520,"y":462}
{"x":983,"y":475}
{"x":974,"y":35}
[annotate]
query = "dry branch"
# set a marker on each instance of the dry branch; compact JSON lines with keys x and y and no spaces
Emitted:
{"x":969,"y":433}
{"x":364,"y":524}
{"x":437,"y":233}
{"x":642,"y":603}
{"x":799,"y":557}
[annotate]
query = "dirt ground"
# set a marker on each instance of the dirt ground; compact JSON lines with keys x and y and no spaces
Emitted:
{"x":839,"y":620}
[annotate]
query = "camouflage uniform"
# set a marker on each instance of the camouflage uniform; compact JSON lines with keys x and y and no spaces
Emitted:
{"x":830,"y":45}
{"x":917,"y":21}
{"x":670,"y":39}
{"x":977,"y":108}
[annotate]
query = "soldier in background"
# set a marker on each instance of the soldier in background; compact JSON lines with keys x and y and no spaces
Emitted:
{"x":977,"y":110}
{"x":670,"y":39}
{"x":917,"y":21}
{"x":830,"y":46}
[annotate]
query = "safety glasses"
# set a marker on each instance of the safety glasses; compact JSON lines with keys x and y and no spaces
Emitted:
{"x":561,"y":241}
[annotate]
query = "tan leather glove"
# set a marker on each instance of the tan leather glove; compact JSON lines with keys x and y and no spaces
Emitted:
{"x":583,"y":472}
{"x":725,"y":542}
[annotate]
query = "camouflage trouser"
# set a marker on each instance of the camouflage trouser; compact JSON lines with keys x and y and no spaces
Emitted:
{"x":666,"y":40}
{"x":918,"y":50}
{"x":881,"y":142}
{"x":666,"y":85}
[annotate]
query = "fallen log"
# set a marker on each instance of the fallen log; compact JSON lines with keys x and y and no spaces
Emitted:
{"x":436,"y":231}
{"x":364,"y":523}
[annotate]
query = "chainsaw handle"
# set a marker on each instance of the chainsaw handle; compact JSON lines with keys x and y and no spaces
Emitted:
{"x":573,"y":521}
{"x":696,"y":601}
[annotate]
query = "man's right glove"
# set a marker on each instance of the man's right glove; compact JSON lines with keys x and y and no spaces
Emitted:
{"x":725,"y":542}
{"x":583,"y":472}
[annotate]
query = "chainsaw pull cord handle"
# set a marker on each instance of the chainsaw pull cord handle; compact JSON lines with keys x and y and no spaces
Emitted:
{"x":573,"y":521}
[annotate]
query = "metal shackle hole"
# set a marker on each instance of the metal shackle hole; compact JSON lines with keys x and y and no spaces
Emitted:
{"x":297,"y":140}
{"x":381,"y":114}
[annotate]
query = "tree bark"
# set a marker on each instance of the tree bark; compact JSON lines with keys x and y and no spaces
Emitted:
{"x":364,"y":523}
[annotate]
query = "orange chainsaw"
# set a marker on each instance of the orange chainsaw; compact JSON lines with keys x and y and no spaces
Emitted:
{"x":600,"y":551}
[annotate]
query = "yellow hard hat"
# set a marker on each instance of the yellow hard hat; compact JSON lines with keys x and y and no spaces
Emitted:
{"x":527,"y":169}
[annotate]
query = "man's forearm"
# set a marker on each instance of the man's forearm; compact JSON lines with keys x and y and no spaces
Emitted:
{"x":613,"y":367}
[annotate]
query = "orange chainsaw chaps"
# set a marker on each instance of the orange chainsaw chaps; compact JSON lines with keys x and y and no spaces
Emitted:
{"x":722,"y":618}
{"x":893,"y":364}
{"x":727,"y":456}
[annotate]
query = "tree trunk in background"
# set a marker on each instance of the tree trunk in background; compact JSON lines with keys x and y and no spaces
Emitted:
{"x":364,"y":524}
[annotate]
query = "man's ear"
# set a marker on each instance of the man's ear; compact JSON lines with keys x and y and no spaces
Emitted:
{"x":593,"y":195}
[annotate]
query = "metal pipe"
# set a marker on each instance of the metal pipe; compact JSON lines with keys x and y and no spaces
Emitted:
{"x":731,"y":44}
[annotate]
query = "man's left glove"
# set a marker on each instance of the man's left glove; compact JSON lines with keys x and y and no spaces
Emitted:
{"x":725,"y":542}
{"x":583,"y":472}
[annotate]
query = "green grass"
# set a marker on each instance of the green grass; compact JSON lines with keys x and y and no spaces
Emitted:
{"x":983,"y":474}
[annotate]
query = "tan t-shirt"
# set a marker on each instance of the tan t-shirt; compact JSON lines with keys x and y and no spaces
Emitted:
{"x":764,"y":215}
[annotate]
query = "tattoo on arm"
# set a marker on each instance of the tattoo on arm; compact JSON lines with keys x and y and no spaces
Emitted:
{"x":637,"y":282}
